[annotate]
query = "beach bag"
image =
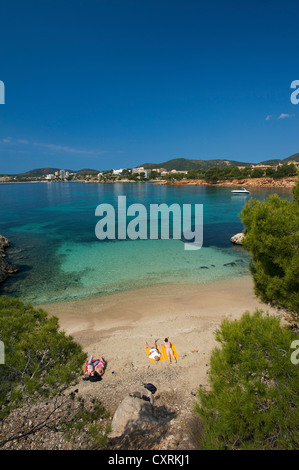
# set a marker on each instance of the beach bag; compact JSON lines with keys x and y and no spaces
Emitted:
{"x":92,"y":378}
{"x":145,"y":398}
{"x":95,"y":378}
{"x":150,"y":387}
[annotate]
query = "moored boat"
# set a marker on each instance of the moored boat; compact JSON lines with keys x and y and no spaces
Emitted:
{"x":240,"y":191}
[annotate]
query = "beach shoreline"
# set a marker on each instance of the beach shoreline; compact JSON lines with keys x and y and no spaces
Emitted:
{"x":160,"y":301}
{"x":266,"y":182}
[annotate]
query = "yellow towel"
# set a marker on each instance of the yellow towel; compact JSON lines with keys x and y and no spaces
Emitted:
{"x":147,"y":350}
{"x":162,"y":351}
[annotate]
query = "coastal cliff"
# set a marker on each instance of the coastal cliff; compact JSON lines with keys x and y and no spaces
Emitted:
{"x":6,"y":268}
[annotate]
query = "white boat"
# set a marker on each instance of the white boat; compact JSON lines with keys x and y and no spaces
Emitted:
{"x":240,"y":191}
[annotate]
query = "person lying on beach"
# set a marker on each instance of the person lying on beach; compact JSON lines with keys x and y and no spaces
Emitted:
{"x":95,"y":367}
{"x":169,"y":351}
{"x":100,"y":367}
{"x":153,"y":351}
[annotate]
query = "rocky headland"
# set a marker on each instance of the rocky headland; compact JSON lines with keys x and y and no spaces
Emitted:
{"x":6,"y":268}
{"x":286,"y":182}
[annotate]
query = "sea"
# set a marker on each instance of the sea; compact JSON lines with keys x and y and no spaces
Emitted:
{"x":52,"y":225}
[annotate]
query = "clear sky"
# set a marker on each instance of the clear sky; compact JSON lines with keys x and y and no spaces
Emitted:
{"x":116,"y":83}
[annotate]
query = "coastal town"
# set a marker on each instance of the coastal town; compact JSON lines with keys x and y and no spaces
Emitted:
{"x":226,"y":172}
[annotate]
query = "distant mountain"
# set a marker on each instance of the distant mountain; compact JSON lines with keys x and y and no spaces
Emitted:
{"x":271,"y":162}
{"x":86,"y":171}
{"x":184,"y":164}
{"x":180,"y":164}
{"x":292,"y":158}
{"x":38,"y":172}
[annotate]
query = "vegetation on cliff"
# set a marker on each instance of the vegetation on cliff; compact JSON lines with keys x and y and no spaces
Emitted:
{"x":233,"y":172}
{"x":186,"y":164}
{"x":41,"y":362}
{"x":272,"y":236}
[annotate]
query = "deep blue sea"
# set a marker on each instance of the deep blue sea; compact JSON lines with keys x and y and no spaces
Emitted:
{"x":52,"y":230}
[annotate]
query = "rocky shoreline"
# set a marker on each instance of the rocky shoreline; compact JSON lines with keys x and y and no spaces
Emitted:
{"x":6,"y":268}
{"x":286,"y":182}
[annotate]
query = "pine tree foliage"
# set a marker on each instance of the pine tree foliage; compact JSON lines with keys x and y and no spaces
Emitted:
{"x":253,"y":401}
{"x":40,"y":359}
{"x":272,"y":236}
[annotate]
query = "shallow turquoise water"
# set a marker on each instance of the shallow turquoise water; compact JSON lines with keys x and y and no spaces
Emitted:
{"x":52,"y":230}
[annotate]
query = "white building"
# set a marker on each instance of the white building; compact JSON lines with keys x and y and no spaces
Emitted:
{"x":50,"y":177}
{"x":117,"y":172}
{"x":159,"y":170}
{"x":63,"y":174}
{"x":178,"y":171}
{"x":140,"y":169}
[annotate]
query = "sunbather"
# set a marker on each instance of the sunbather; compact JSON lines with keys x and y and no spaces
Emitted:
{"x":95,"y":367}
{"x":153,"y":351}
{"x":169,"y":351}
{"x":100,"y":367}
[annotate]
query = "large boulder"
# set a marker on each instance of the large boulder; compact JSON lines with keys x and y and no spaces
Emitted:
{"x":238,"y":239}
{"x":6,"y":268}
{"x":133,"y":414}
{"x":4,"y":243}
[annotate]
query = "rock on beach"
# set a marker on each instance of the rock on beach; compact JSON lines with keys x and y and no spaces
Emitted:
{"x":238,"y":239}
{"x":6,"y":268}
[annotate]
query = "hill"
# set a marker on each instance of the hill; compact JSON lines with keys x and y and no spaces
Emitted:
{"x":180,"y":164}
{"x":184,"y":164}
{"x":39,"y":172}
{"x":292,"y":158}
{"x":86,"y":171}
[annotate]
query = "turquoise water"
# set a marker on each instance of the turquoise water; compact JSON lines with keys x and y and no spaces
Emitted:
{"x":52,"y":230}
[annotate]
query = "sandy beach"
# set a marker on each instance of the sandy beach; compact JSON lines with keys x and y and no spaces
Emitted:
{"x":187,"y":313}
{"x":117,"y":326}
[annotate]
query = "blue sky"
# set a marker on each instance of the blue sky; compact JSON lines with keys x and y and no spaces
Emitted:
{"x":116,"y":83}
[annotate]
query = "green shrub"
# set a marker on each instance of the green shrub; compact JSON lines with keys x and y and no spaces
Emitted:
{"x":272,"y":236}
{"x":41,"y":363}
{"x":253,"y":398}
{"x":40,"y":360}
